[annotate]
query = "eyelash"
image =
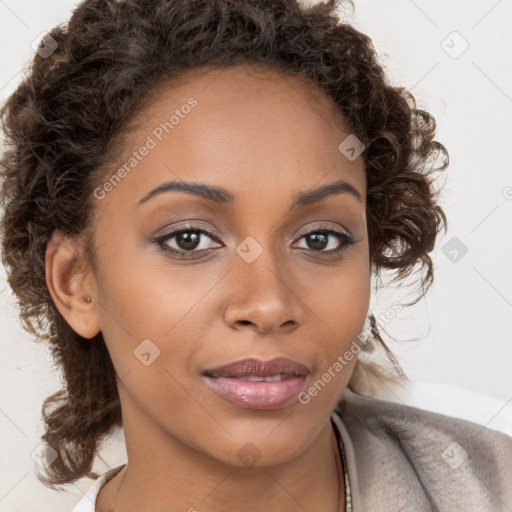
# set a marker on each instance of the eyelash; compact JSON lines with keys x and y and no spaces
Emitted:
{"x":345,"y":239}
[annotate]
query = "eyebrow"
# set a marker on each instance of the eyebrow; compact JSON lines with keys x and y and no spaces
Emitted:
{"x":223,"y":196}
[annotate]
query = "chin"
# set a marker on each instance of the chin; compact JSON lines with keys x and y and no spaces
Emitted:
{"x":259,"y":449}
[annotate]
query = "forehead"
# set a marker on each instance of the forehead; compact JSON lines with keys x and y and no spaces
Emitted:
{"x":253,"y":127}
{"x":241,"y":93}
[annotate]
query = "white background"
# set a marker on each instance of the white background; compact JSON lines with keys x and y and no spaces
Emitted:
{"x":461,"y":331}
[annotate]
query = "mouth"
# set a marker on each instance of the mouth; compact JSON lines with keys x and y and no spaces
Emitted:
{"x":257,"y":384}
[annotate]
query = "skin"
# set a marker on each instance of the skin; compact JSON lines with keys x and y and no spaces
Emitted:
{"x":265,"y":137}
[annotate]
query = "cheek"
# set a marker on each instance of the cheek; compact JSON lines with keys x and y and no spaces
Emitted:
{"x":142,"y":299}
{"x":148,"y":325}
{"x":342,"y":304}
{"x":341,"y":299}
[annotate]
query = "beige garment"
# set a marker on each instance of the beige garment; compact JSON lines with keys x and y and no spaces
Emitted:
{"x":404,"y":459}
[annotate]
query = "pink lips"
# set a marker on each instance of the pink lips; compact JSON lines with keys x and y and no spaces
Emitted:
{"x":257,"y":384}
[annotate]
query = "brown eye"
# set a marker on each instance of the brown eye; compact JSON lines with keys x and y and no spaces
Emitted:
{"x":192,"y":242}
{"x":317,"y":241}
{"x":327,"y":238}
{"x":185,"y":241}
{"x":188,"y":240}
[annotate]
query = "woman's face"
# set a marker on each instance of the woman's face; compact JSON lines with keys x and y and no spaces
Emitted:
{"x":261,"y":279}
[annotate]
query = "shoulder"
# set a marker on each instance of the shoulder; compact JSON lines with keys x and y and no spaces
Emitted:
{"x":428,"y":457}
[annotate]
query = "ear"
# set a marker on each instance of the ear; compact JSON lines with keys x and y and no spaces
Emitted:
{"x":72,"y":284}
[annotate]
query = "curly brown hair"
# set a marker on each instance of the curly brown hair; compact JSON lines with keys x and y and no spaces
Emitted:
{"x":66,"y":122}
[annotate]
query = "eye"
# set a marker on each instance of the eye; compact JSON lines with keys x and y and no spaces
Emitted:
{"x":192,"y":242}
{"x":186,"y":240}
{"x":336,"y":241}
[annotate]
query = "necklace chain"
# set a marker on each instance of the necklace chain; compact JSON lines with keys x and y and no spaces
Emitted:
{"x":348,"y":496}
{"x":341,"y":465}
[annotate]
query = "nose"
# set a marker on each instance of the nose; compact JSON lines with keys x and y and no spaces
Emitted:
{"x":263,"y":296}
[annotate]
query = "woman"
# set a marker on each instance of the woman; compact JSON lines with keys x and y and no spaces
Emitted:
{"x":196,"y":196}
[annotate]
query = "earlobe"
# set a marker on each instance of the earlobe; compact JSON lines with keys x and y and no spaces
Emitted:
{"x":72,"y":284}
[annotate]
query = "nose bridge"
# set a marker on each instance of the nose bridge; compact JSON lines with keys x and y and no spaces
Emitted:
{"x":261,"y":289}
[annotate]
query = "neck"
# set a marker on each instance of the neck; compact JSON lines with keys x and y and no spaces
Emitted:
{"x":167,"y":475}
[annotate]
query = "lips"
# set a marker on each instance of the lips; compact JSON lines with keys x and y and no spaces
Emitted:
{"x":258,"y":368}
{"x":257,"y":384}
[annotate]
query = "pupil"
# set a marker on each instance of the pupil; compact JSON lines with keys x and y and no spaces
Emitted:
{"x":319,"y":241}
{"x":188,"y":240}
